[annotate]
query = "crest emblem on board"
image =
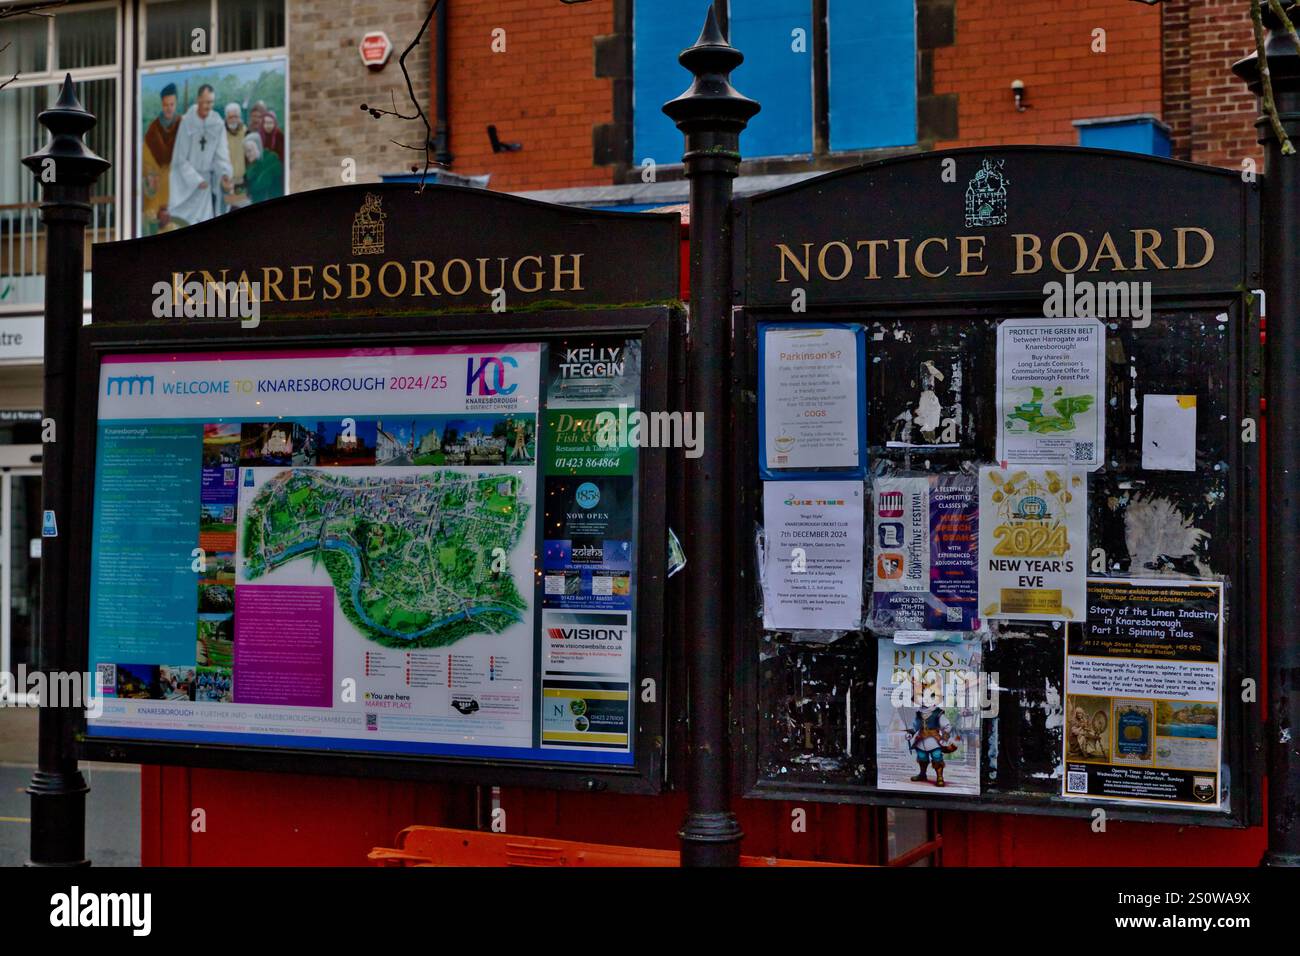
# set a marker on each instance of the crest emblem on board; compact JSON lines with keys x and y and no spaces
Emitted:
{"x":368,"y":227}
{"x":986,"y":196}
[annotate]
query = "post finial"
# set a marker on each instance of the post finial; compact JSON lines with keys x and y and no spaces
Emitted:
{"x":75,"y":163}
{"x":1283,"y":60}
{"x":711,"y":100}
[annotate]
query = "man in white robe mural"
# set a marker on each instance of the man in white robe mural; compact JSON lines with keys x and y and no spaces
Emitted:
{"x":200,"y":162}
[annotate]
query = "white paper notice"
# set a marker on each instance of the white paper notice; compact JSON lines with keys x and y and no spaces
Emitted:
{"x":810,"y":398}
{"x":1051,"y":392}
{"x":1169,"y":432}
{"x":812,"y":575}
{"x":1033,"y":543}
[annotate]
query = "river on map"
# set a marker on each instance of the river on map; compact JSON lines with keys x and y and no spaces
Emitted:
{"x":350,"y":549}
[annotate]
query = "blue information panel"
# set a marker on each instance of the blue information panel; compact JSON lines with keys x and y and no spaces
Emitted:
{"x":415,"y":551}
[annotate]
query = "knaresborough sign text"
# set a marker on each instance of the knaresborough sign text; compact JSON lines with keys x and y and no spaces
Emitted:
{"x":384,"y":248}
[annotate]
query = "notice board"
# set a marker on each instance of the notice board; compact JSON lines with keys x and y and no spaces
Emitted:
{"x":371,"y":533}
{"x":1055,"y":606}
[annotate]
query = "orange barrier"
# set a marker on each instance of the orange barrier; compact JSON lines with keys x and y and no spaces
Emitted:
{"x":444,"y":846}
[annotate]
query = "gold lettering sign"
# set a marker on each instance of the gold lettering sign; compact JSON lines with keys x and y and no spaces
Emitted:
{"x":930,"y":257}
{"x":395,"y":279}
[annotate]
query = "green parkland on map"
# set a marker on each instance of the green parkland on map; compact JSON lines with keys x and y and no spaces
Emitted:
{"x":410,"y":556}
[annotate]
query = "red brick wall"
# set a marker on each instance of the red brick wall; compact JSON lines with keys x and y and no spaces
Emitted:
{"x":1222,"y":112}
{"x":542,"y":91}
{"x":1048,"y":45}
{"x":1171,"y":60}
{"x":1178,"y":75}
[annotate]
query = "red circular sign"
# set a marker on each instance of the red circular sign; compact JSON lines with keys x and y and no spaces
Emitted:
{"x":375,"y":49}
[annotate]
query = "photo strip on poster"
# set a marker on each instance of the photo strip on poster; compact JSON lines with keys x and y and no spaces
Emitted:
{"x":589,"y":551}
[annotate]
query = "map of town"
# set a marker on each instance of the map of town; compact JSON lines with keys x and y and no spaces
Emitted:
{"x":411,"y":556}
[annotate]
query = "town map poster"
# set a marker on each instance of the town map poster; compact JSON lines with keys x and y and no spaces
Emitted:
{"x":321,"y":544}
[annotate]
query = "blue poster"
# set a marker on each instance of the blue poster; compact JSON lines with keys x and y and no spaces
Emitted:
{"x":925,"y":541}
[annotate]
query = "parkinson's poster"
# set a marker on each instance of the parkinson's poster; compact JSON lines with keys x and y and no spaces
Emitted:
{"x":811,"y":400}
{"x":928,"y":712}
{"x":1051,"y":390}
{"x":1032,"y":543}
{"x":812,"y":567}
{"x":1143,"y":693}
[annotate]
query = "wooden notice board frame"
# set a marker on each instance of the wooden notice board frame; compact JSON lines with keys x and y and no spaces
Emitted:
{"x":968,"y":276}
{"x":441,"y":253}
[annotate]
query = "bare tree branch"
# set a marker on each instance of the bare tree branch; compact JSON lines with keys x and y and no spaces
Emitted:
{"x":1266,"y":81}
{"x":29,"y":9}
{"x":1276,"y":7}
{"x":12,"y":78}
{"x":26,"y":10}
{"x":419,"y":113}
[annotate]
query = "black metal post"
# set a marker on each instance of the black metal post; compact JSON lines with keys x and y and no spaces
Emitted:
{"x":711,"y":114}
{"x":442,"y":131}
{"x":1281,"y":263}
{"x":67,"y":169}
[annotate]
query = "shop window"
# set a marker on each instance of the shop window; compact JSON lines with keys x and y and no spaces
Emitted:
{"x":170,"y":26}
{"x":776,"y":37}
{"x":865,"y":57}
{"x":82,"y":41}
{"x":250,"y":24}
{"x":213,"y":119}
{"x":231,"y":26}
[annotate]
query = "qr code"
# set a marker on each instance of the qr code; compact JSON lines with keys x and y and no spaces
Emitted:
{"x":1084,"y":450}
{"x":953,"y":614}
{"x":1076,"y":781}
{"x":107,"y":674}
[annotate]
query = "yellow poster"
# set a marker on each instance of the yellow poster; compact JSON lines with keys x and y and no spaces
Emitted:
{"x":1033,"y":543}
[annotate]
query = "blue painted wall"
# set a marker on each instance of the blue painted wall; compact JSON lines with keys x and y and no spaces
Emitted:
{"x":661,"y":29}
{"x":775,"y":75}
{"x":872,"y":73}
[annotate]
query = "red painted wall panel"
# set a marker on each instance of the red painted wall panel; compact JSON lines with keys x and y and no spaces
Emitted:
{"x":260,"y":819}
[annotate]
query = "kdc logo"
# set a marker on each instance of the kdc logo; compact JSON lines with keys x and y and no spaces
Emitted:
{"x":490,"y":375}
